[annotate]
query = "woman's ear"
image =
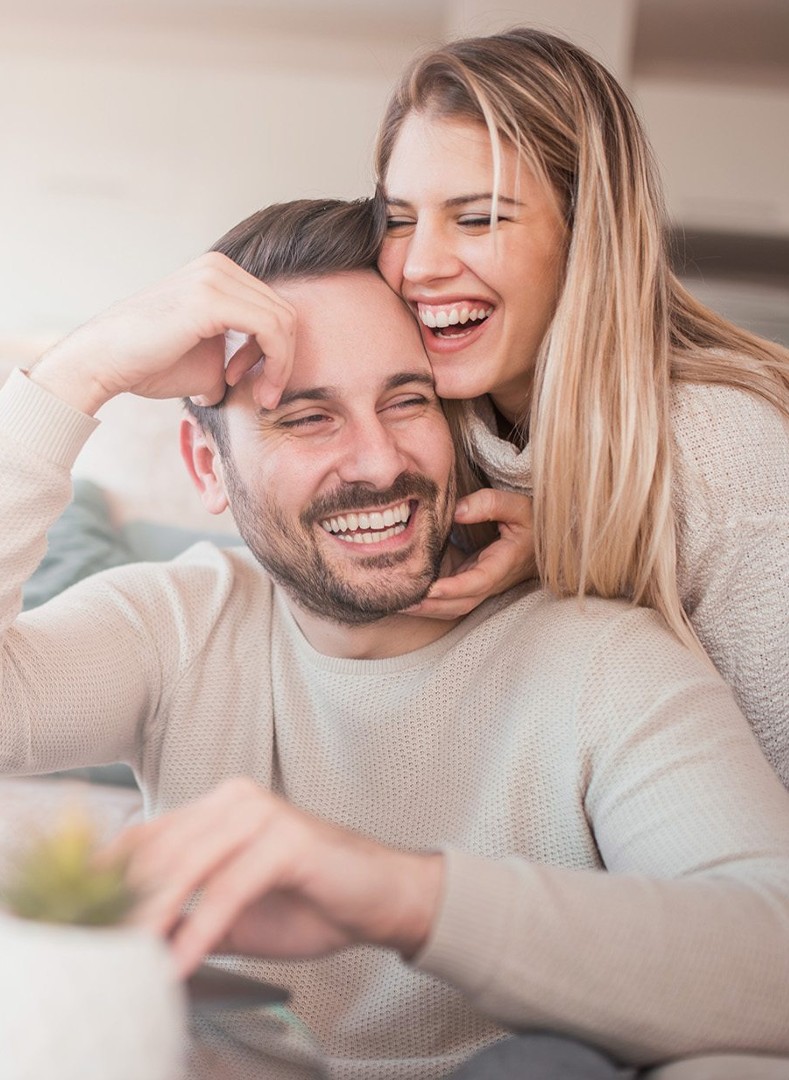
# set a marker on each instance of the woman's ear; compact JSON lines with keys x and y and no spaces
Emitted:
{"x":203,"y":464}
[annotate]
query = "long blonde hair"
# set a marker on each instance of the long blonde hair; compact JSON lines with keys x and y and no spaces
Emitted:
{"x":624,"y":326}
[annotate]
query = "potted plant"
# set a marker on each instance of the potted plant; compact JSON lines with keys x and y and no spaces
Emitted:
{"x":82,"y":996}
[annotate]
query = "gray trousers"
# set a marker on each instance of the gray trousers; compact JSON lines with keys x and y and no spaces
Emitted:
{"x":538,"y":1056}
{"x":541,"y":1056}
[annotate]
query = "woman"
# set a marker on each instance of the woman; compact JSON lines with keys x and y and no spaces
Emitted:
{"x":525,"y":227}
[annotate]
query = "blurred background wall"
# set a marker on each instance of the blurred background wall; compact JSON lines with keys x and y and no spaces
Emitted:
{"x":134,"y":132}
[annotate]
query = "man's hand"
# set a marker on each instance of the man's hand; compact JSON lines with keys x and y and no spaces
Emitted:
{"x":506,"y":562}
{"x":274,"y":881}
{"x":169,"y":341}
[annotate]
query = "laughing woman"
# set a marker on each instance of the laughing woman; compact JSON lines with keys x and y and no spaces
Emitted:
{"x":525,"y":227}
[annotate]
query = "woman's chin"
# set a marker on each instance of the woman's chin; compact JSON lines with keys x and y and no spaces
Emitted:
{"x":458,"y":376}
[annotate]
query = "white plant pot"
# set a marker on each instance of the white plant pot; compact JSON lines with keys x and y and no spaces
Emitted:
{"x":79,"y":1003}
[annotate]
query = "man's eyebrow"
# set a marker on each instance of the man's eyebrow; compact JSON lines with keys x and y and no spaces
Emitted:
{"x":331,"y":393}
{"x":405,"y":378}
{"x":311,"y":393}
{"x":461,"y":200}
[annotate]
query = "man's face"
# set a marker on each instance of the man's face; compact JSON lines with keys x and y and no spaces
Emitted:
{"x":345,"y":492}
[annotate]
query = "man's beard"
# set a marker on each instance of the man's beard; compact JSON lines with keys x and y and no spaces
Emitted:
{"x":293,"y":557}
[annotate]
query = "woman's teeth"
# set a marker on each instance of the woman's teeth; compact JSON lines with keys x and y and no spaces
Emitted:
{"x":378,"y":525}
{"x":458,"y":315}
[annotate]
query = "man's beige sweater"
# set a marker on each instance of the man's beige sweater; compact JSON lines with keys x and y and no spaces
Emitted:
{"x":538,"y":744}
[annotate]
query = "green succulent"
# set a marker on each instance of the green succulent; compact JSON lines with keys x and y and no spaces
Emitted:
{"x":57,"y":879}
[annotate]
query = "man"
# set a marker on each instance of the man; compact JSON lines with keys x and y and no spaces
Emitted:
{"x":406,"y":820}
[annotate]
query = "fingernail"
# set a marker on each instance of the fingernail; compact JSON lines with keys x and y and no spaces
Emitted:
{"x":461,"y":508}
{"x":200,"y":401}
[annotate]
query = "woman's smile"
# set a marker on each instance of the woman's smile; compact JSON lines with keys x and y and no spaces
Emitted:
{"x":483,"y":281}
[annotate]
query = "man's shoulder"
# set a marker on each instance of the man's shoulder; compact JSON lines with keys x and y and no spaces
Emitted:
{"x":566,"y":652}
{"x":573,"y":627}
{"x":195,"y":587}
{"x":232,"y":571}
{"x":533,"y":602}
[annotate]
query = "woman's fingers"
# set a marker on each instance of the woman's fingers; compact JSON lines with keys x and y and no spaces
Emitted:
{"x":506,"y":562}
{"x":508,"y":508}
{"x":457,"y":595}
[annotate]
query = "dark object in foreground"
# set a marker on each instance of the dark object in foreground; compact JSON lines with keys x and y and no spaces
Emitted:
{"x":210,"y":988}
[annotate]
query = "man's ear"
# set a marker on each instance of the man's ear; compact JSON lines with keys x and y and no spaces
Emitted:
{"x":203,"y":464}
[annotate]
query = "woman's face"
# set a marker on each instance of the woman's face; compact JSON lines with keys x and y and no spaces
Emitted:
{"x":484,"y":296}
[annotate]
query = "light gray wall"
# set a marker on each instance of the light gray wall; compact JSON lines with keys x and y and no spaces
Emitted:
{"x":132,"y":134}
{"x":127,"y":149}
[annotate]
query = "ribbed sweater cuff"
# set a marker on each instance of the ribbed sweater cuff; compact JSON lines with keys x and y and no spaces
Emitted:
{"x":41,"y":422}
{"x":470,"y":933}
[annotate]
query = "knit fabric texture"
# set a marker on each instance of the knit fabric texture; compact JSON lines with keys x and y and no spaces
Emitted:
{"x":538,"y":743}
{"x":731,"y":506}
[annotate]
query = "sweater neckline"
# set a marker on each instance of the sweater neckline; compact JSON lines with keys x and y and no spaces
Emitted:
{"x":286,"y":625}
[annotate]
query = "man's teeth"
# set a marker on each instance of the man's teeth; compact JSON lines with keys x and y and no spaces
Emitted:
{"x":452,"y":316}
{"x":382,"y":523}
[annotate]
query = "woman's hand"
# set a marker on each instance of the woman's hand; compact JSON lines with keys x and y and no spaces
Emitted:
{"x":506,"y":562}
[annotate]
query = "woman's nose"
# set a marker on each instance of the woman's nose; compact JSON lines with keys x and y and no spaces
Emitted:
{"x":429,"y":256}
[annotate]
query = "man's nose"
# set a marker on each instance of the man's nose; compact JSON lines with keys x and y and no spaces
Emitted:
{"x":430,"y":255}
{"x":373,"y":454}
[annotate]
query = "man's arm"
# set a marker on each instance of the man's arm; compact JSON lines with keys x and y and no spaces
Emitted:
{"x":60,"y":665}
{"x":79,"y":676}
{"x":683,"y":948}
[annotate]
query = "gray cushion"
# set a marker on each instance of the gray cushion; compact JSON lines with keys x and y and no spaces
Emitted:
{"x":81,"y":542}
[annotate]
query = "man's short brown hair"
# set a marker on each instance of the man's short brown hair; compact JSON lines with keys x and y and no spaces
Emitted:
{"x":306,"y":238}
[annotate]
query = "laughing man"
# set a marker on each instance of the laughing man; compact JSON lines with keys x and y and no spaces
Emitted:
{"x":538,"y":816}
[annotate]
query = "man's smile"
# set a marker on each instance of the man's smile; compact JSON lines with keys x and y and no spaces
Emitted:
{"x":369,"y":527}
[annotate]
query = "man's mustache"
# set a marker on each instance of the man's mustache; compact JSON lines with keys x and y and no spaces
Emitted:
{"x":362,"y":496}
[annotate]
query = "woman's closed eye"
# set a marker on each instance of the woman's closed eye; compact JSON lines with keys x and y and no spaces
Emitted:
{"x":481,"y":221}
{"x":474,"y":221}
{"x":398,"y":224}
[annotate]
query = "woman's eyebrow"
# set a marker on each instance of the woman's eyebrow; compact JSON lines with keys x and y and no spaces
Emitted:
{"x":481,"y":196}
{"x":461,"y":200}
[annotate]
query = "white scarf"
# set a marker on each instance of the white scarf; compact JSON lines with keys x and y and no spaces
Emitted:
{"x":506,"y":466}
